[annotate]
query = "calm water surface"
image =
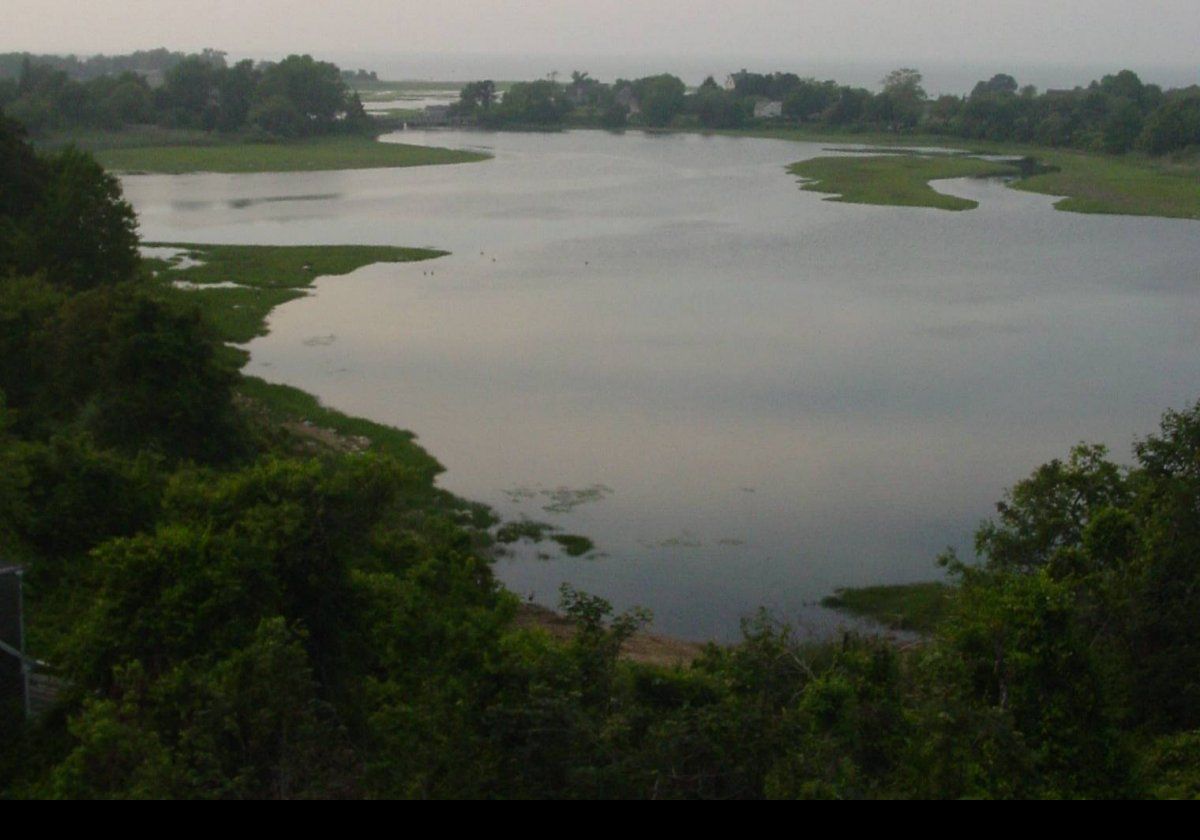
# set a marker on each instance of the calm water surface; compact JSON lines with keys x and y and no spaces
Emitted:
{"x":745,"y":394}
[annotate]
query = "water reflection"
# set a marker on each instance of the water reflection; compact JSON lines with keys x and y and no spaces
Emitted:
{"x":781,"y":395}
{"x":243,"y":203}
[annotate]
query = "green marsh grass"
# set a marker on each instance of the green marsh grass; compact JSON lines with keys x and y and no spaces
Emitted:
{"x":299,"y":156}
{"x":266,"y":276}
{"x":916,"y":607}
{"x":1132,"y":184}
{"x":893,"y":179}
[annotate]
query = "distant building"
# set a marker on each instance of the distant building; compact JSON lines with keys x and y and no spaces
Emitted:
{"x":766,"y":109}
{"x":577,"y":94}
{"x":626,"y":99}
{"x":437,"y":113}
{"x":154,"y":78}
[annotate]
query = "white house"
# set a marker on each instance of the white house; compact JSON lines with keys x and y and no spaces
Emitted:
{"x":768,"y":109}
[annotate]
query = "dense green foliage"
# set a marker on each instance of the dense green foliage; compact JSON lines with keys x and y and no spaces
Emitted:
{"x":149,"y":62}
{"x":63,"y":215}
{"x":1116,"y":114}
{"x":295,"y":97}
{"x":236,"y":612}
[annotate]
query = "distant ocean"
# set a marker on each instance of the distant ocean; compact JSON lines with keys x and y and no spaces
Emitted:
{"x":940,"y":77}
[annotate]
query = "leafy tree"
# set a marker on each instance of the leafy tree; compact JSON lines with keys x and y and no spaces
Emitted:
{"x":1165,"y":624}
{"x":84,"y":233}
{"x":28,"y":306}
{"x":22,"y":179}
{"x":189,"y":94}
{"x":1043,"y":518}
{"x":115,"y":756}
{"x":540,"y":103}
{"x":1122,"y":126}
{"x":128,"y":101}
{"x":236,"y":92}
{"x":901,"y":104}
{"x":278,"y":117}
{"x":74,"y":496}
{"x":1001,"y":83}
{"x":1175,"y":125}
{"x":660,"y":97}
{"x":810,"y":99}
{"x":844,"y":735}
{"x":851,"y":106}
{"x":1025,"y":655}
{"x":63,"y":216}
{"x":315,"y":89}
{"x":716,"y":108}
{"x":140,"y":376}
{"x":476,"y":96}
{"x":260,"y":729}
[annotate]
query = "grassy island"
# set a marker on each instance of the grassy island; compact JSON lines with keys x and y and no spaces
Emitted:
{"x":338,"y":152}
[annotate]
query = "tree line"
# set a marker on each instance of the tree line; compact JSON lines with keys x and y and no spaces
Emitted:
{"x":300,"y":97}
{"x":293,"y":98}
{"x":1116,"y":114}
{"x":85,"y":68}
{"x":237,"y":616}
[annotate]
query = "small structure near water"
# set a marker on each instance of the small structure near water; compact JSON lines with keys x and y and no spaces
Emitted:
{"x":14,"y":676}
{"x":766,"y":109}
{"x":24,"y":682}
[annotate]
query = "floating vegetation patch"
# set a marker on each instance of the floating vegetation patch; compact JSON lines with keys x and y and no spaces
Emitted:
{"x":243,"y":203}
{"x":559,"y":499}
{"x":566,"y":499}
{"x":524,"y":529}
{"x":521,"y":494}
{"x":684,"y":540}
{"x":574,"y":544}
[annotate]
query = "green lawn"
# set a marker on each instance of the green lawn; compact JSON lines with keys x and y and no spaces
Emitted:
{"x":918,"y":607}
{"x":894,"y":179}
{"x":308,"y":155}
{"x":266,"y":275}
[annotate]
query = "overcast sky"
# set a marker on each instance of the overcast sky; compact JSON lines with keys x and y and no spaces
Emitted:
{"x":1084,"y":32}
